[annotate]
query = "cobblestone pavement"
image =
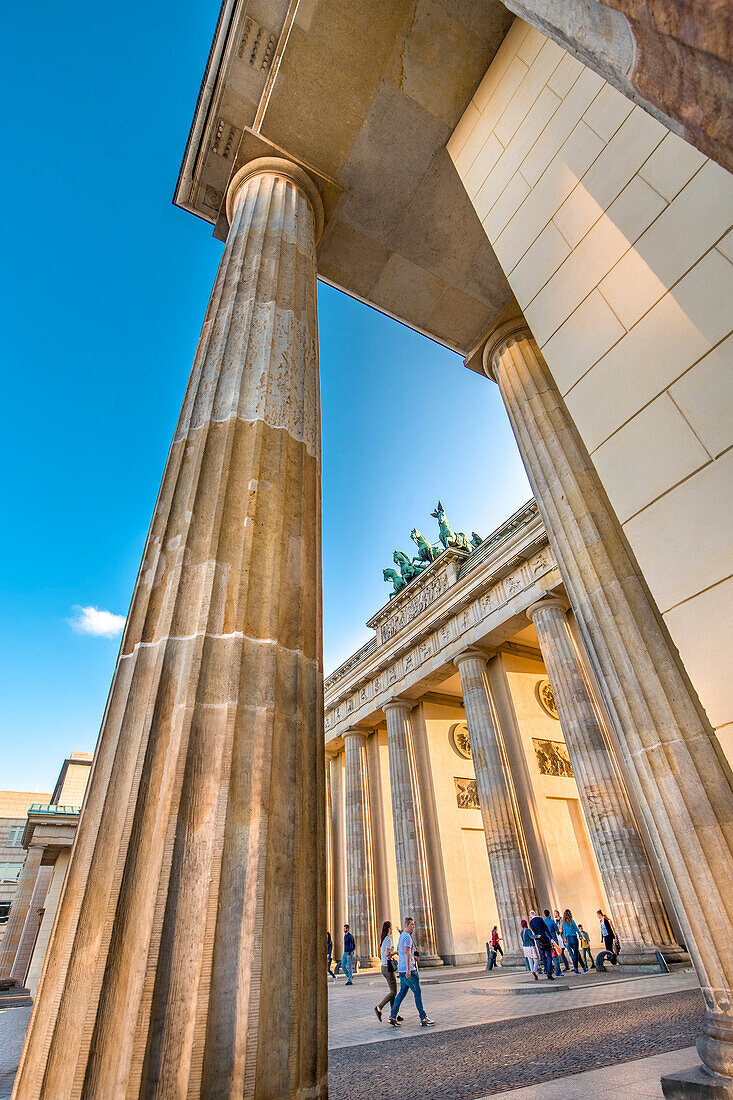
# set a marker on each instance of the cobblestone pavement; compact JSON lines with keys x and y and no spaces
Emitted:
{"x":471,"y":1062}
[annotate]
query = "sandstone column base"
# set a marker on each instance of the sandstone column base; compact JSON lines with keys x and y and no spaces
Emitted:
{"x":697,"y":1084}
{"x":428,"y":962}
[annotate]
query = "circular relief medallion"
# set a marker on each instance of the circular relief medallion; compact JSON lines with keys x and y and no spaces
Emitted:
{"x":546,"y":698}
{"x":460,"y":739}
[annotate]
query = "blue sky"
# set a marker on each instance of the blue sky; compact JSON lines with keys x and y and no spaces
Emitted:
{"x":103,"y":290}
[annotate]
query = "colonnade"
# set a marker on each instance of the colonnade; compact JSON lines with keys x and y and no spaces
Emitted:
{"x":200,"y":855}
{"x":624,"y":867}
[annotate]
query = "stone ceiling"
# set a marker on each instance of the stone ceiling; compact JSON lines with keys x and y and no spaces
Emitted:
{"x":366,"y":94}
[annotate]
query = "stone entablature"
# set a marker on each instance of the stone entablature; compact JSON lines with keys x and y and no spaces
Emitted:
{"x":437,"y":616}
{"x":418,"y":595}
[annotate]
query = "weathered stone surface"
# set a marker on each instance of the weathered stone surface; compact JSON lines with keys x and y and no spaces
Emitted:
{"x":413,"y":877}
{"x":200,"y":852}
{"x":677,"y":770}
{"x":633,"y":895}
{"x":511,"y":873}
{"x":672,"y":58}
{"x":361,"y":903}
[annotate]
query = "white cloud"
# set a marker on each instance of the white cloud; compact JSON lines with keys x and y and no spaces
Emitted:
{"x":93,"y":620}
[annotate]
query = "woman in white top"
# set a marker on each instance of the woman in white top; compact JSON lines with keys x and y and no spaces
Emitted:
{"x":387,"y":953}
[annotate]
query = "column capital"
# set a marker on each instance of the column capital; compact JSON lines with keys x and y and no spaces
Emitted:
{"x":471,"y":654}
{"x":399,"y":704}
{"x":544,"y":604}
{"x":499,"y":340}
{"x":355,"y":731}
{"x":277,"y":166}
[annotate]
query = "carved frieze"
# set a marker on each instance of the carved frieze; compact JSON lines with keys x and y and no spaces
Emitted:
{"x":417,"y":603}
{"x":466,"y":794}
{"x":553,"y":758}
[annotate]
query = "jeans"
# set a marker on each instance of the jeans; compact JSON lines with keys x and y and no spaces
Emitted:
{"x":587,"y":956}
{"x":574,"y":949}
{"x":546,"y":960}
{"x":407,"y":984}
{"x":562,"y":957}
{"x":346,"y":965}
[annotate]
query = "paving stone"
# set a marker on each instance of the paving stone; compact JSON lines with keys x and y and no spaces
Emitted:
{"x":468,"y":1063}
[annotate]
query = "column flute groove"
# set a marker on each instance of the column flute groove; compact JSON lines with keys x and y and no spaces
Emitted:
{"x":681,"y":780}
{"x":511,"y":872}
{"x":193,"y":858}
{"x":413,"y":877}
{"x":633,"y":895}
{"x":361,"y":905}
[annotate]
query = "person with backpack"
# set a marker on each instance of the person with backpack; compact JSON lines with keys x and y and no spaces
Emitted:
{"x":544,"y":940}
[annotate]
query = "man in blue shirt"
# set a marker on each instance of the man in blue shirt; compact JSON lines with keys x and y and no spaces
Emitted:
{"x":544,"y":940}
{"x":409,"y":979}
{"x":347,"y":959}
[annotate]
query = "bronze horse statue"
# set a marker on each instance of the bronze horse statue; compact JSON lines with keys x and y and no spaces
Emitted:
{"x":448,"y":536}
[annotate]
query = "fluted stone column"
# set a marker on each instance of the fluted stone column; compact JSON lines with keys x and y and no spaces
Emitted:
{"x":511,"y":873}
{"x":31,"y":925}
{"x":633,"y":895}
{"x":338,"y":835}
{"x":19,"y":910}
{"x":187,"y":956}
{"x":677,"y":771}
{"x":329,"y":848}
{"x":361,"y":903}
{"x":413,"y":877}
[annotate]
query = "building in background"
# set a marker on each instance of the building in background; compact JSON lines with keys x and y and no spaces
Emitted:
{"x":41,"y":839}
{"x":13,"y":814}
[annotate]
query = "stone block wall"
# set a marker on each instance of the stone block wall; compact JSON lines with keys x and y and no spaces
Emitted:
{"x":616,"y":238}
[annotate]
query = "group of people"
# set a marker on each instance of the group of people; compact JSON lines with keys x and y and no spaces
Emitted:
{"x":397,"y":962}
{"x":548,"y":940}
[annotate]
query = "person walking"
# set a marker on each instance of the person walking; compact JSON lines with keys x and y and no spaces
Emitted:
{"x":543,"y":941}
{"x":585,"y":946}
{"x":571,"y":932}
{"x":531,"y":954}
{"x":389,"y":968}
{"x":561,"y":940}
{"x":347,"y":959}
{"x":409,"y":977}
{"x":608,"y":932}
{"x":496,"y":942}
{"x":329,"y":955}
{"x":551,"y":926}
